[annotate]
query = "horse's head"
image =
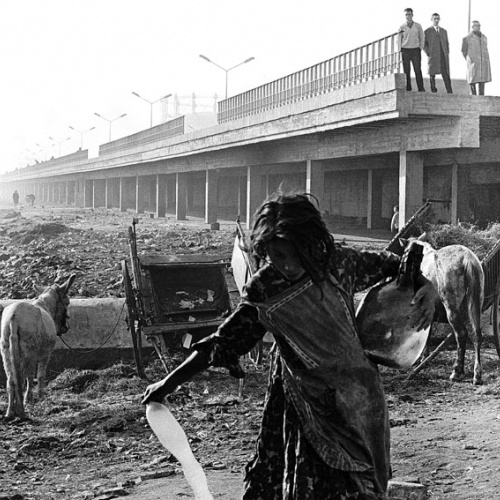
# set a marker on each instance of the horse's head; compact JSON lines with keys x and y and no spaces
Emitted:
{"x":421,"y":240}
{"x":56,"y":301}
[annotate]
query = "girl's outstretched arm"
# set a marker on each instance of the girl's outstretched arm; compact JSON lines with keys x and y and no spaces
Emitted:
{"x":195,"y":364}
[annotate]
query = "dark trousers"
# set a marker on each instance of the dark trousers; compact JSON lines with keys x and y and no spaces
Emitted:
{"x":473,"y":88}
{"x":413,"y":56}
{"x":444,"y":74}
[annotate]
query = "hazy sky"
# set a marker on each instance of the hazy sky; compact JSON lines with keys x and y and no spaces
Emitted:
{"x":64,"y":60}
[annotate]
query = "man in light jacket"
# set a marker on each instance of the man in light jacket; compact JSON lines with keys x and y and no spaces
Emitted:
{"x":437,"y":49}
{"x":475,"y":51}
{"x":411,"y":42}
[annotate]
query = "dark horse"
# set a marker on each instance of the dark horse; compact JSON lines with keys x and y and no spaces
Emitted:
{"x":458,"y":277}
{"x":28,"y":335}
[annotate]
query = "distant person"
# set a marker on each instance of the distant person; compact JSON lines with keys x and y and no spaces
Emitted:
{"x":395,"y":221}
{"x":438,"y":50}
{"x":475,"y":51}
{"x":15,"y":198}
{"x":30,"y":199}
{"x":411,"y":41}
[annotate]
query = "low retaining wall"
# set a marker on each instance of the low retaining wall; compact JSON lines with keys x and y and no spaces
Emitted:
{"x":92,"y":321}
{"x":97,"y":337}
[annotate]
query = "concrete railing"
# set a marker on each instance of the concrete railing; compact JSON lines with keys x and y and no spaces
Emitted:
{"x":164,"y":130}
{"x":370,"y":61}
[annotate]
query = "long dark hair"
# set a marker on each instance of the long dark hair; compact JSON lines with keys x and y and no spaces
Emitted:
{"x":294,"y":218}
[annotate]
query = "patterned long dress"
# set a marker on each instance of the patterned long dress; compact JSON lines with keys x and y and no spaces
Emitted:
{"x":324,"y":432}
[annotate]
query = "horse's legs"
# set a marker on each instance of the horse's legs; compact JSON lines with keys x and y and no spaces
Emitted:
{"x":461,"y":338}
{"x":464,"y":328}
{"x":30,"y":376}
{"x":477,"y":338}
{"x":41,"y":373}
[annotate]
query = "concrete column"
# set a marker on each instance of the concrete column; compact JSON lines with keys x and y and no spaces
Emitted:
{"x":161,"y":195}
{"x":80,"y":190}
{"x":256,"y":192}
{"x":211,"y":205}
{"x":71,"y":193}
{"x":140,"y":186}
{"x":411,"y":184}
{"x":454,"y":194}
{"x":181,"y":199}
{"x":315,"y":180}
{"x":121,"y":190}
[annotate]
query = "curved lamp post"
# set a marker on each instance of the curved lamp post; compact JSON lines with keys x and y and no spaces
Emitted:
{"x":110,"y":121}
{"x":81,"y":132}
{"x":227,"y":70}
{"x":59,"y":142}
{"x":151,"y":105}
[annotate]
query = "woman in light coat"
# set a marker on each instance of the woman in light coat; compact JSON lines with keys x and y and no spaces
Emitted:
{"x":475,"y":51}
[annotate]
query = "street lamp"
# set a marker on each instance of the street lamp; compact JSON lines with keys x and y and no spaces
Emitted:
{"x":41,"y":150}
{"x":151,"y":105}
{"x":59,"y":142}
{"x":110,"y":121}
{"x":81,"y":132}
{"x":224,"y":69}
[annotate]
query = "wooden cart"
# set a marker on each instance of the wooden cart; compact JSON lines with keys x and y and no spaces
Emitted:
{"x":173,"y":300}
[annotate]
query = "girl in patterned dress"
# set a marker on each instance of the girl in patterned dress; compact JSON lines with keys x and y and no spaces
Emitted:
{"x":325,"y":430}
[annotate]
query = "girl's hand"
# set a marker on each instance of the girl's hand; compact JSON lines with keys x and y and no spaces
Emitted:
{"x":157,"y":391}
{"x":425,"y":303}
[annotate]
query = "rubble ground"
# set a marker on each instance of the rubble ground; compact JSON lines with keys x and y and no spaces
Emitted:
{"x":88,"y":439}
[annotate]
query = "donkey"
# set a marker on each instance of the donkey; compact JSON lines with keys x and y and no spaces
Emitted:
{"x":458,"y":276}
{"x":27,"y":338}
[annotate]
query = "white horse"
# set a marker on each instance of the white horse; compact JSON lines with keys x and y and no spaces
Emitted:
{"x":458,"y":276}
{"x":27,"y":338}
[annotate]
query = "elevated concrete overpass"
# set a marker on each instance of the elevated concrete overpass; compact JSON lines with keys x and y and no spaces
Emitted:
{"x":360,"y":147}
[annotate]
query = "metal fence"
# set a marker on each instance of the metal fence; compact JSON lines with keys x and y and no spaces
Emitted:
{"x":368,"y":62}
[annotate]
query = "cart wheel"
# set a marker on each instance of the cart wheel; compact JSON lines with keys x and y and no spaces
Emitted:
{"x":256,"y":354}
{"x":494,"y":316}
{"x":133,"y":319}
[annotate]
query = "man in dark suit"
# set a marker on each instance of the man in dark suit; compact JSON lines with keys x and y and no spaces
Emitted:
{"x":437,"y":49}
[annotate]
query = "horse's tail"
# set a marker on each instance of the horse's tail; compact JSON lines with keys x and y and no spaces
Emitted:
{"x":15,"y":357}
{"x":474,"y":288}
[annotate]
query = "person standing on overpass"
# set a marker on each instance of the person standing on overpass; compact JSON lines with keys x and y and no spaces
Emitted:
{"x":437,"y":49}
{"x":411,"y":41}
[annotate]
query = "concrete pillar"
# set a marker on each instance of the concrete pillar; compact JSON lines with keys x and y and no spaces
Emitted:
{"x":411,"y":184}
{"x":121,"y":205}
{"x":181,"y":199}
{"x":71,"y":193}
{"x":454,"y":194}
{"x":315,"y":180}
{"x":211,"y":205}
{"x":161,"y":195}
{"x":140,"y":190}
{"x":256,"y":192}
{"x":88,"y":194}
{"x":80,"y":201}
